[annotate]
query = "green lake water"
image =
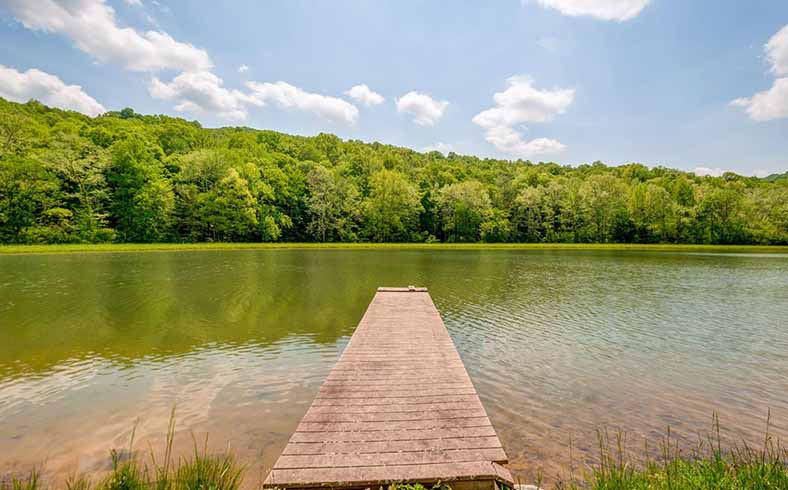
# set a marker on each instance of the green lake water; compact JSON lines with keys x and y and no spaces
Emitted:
{"x":558,"y":343}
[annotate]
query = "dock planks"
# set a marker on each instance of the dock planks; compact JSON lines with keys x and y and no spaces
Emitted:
{"x":398,"y":406}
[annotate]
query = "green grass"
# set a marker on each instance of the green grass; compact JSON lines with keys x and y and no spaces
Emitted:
{"x":201,"y":471}
{"x":143,"y":247}
{"x":708,"y":466}
{"x":32,"y":482}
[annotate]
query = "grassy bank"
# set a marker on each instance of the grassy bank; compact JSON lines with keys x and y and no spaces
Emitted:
{"x":164,"y":247}
{"x":661,"y":466}
{"x":707,"y":466}
{"x":201,"y":471}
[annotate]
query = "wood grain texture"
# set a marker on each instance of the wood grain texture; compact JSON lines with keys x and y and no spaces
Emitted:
{"x":398,"y":406}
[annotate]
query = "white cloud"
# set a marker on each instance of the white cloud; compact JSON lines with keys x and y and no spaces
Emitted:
{"x":767,"y":105}
{"x":288,"y":96}
{"x":362,"y":93}
{"x":709,"y":172}
{"x":773,"y":103}
{"x":46,"y":88}
{"x":440,"y":146}
{"x":202,"y":92}
{"x":618,"y":10}
{"x":92,"y":26}
{"x":719,"y":172}
{"x":243,"y":69}
{"x":511,"y":142}
{"x":777,"y":51}
{"x":163,"y":8}
{"x":136,"y":3}
{"x":522,"y":103}
{"x":426,"y":111}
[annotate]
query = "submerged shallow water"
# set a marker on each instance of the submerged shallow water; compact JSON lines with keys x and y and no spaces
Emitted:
{"x":558,"y":343}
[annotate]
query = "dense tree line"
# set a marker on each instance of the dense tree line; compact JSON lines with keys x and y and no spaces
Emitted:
{"x":124,"y":177}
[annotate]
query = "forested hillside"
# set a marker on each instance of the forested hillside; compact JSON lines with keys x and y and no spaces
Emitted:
{"x":124,"y":177}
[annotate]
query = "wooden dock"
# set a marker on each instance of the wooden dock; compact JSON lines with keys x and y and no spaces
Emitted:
{"x":397,"y":407}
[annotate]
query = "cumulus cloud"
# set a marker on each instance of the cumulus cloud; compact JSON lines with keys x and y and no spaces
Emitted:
{"x":719,"y":172}
{"x":288,"y":96}
{"x":777,"y":51}
{"x":49,"y":89}
{"x":709,"y":172}
{"x":91,"y":25}
{"x":425,"y":110}
{"x":440,"y":147}
{"x":163,"y":8}
{"x":363,"y":94}
{"x":522,"y":103}
{"x":767,"y":105}
{"x":511,"y":142}
{"x":773,"y":103}
{"x":203,"y":92}
{"x":617,"y":10}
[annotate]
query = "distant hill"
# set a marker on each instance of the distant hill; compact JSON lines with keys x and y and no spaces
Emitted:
{"x":776,"y":177}
{"x":127,"y":177}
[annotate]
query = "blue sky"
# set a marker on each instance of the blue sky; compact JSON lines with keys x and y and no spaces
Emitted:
{"x":686,"y":84}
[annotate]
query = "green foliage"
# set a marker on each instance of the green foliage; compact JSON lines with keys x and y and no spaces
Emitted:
{"x":228,"y":209}
{"x":142,"y":199}
{"x":392,"y":208}
{"x":27,"y":191}
{"x":207,"y":472}
{"x":463,"y":208}
{"x":332,"y":205}
{"x":203,"y":471}
{"x":418,"y":486}
{"x":127,"y":177}
{"x":707,"y":466}
{"x":126,"y":474}
{"x":32,"y":482}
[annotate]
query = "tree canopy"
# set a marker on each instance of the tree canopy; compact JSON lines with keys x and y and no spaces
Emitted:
{"x":126,"y":177}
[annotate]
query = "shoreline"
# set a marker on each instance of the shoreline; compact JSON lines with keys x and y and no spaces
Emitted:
{"x":669,"y":465}
{"x":227,"y":246}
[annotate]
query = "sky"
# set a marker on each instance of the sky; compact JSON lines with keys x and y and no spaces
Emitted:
{"x":699,"y":85}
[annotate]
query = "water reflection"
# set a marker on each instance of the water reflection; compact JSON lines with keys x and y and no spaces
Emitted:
{"x":557,"y":342}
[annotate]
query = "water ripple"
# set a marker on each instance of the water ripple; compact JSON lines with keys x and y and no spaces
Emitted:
{"x":558,"y":344}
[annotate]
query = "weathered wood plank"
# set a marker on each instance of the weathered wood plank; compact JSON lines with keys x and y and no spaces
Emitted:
{"x":388,"y":408}
{"x":393,"y":425}
{"x":398,"y":406}
{"x":394,"y":374}
{"x":393,"y":416}
{"x":396,"y":390}
{"x":389,"y":458}
{"x":389,"y":400}
{"x":485,"y":442}
{"x":374,"y":475}
{"x":393,"y":435}
{"x":384,"y":386}
{"x":414,"y":392}
{"x":375,"y":385}
{"x":402,"y":377}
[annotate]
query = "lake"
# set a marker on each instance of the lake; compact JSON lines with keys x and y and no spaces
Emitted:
{"x":559,"y":343}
